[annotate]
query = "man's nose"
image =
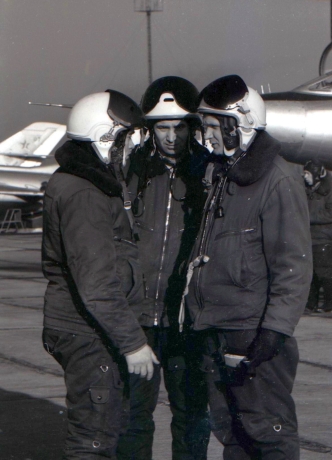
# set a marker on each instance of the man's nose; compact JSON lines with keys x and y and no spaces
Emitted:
{"x":171,"y":135}
{"x":208,"y":133}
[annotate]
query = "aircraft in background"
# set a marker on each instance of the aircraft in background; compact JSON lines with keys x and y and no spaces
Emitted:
{"x":301,"y":120}
{"x":28,"y":147}
{"x":26,"y":163}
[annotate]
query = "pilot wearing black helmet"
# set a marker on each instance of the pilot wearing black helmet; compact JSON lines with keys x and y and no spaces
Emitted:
{"x":251,"y":272}
{"x":165,"y":183}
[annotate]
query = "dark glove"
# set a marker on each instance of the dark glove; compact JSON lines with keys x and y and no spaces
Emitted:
{"x":265,"y":346}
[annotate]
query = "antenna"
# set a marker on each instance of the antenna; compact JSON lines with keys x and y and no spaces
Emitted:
{"x":148,"y":7}
{"x":50,"y":104}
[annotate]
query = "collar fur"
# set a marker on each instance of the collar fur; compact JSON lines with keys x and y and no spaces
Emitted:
{"x":256,"y":162}
{"x":79,"y":159}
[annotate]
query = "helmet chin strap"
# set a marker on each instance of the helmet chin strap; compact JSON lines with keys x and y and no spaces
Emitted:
{"x":103,"y":150}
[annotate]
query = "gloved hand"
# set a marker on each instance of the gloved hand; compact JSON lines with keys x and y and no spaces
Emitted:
{"x":265,"y":346}
{"x":141,"y":362}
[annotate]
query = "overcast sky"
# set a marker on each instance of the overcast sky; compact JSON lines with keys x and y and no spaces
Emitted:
{"x":61,"y":50}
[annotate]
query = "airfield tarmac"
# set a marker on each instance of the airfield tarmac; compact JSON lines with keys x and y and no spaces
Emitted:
{"x":32,"y":392}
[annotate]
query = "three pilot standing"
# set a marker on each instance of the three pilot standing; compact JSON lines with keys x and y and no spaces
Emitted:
{"x":251,"y":269}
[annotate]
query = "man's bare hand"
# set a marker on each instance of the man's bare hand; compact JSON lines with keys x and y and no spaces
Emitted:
{"x":141,"y":362}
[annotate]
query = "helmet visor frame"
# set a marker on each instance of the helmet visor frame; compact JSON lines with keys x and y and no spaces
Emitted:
{"x":123,"y":110}
{"x":224,"y":93}
{"x":184,"y":93}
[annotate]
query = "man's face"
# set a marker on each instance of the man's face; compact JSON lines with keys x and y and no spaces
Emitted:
{"x":222,"y":134}
{"x":308,"y":177}
{"x":212,"y":132}
{"x":171,"y":137}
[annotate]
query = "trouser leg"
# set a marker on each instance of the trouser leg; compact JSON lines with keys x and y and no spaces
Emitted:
{"x":188,"y":402}
{"x":98,"y":409}
{"x":313,"y":297}
{"x":187,"y":394}
{"x":327,"y":286}
{"x":257,"y":420}
{"x":136,"y":442}
{"x":222,"y":415}
{"x":271,"y":419}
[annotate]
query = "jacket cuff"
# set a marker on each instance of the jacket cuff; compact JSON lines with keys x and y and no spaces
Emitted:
{"x":134,"y":351}
{"x":132,"y":348}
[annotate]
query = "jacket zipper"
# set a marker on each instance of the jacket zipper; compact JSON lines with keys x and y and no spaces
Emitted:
{"x":163,"y":252}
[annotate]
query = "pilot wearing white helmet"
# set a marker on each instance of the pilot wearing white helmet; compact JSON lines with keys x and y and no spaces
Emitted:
{"x":251,"y":270}
{"x":95,"y":293}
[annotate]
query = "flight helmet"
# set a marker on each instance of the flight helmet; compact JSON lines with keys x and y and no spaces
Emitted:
{"x":229,"y":96}
{"x":100,"y":117}
{"x":313,"y":172}
{"x":170,"y":98}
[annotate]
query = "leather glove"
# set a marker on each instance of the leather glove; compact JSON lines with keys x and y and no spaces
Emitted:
{"x":141,"y":362}
{"x":264,"y":347}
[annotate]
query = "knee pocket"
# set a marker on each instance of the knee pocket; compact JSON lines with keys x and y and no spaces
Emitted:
{"x":176,"y":363}
{"x":264,"y":429}
{"x":99,"y":395}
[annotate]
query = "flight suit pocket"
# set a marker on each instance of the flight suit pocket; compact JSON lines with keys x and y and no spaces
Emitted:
{"x":99,"y":395}
{"x":176,"y":363}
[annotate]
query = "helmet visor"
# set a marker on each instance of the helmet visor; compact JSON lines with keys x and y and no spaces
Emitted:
{"x":224,"y":92}
{"x":124,"y":110}
{"x":184,"y":92}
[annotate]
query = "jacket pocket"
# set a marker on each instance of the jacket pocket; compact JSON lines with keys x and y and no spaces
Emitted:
{"x":49,"y":342}
{"x":137,"y":281}
{"x":244,"y":231}
{"x":128,"y":269}
{"x":240,"y":255}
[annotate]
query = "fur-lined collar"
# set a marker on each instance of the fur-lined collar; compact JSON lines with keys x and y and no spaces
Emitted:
{"x":79,"y":159}
{"x":257,"y":160}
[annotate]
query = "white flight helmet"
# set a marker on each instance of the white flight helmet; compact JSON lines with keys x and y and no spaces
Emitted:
{"x":230,"y":96}
{"x":100,"y":117}
{"x":170,"y":98}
